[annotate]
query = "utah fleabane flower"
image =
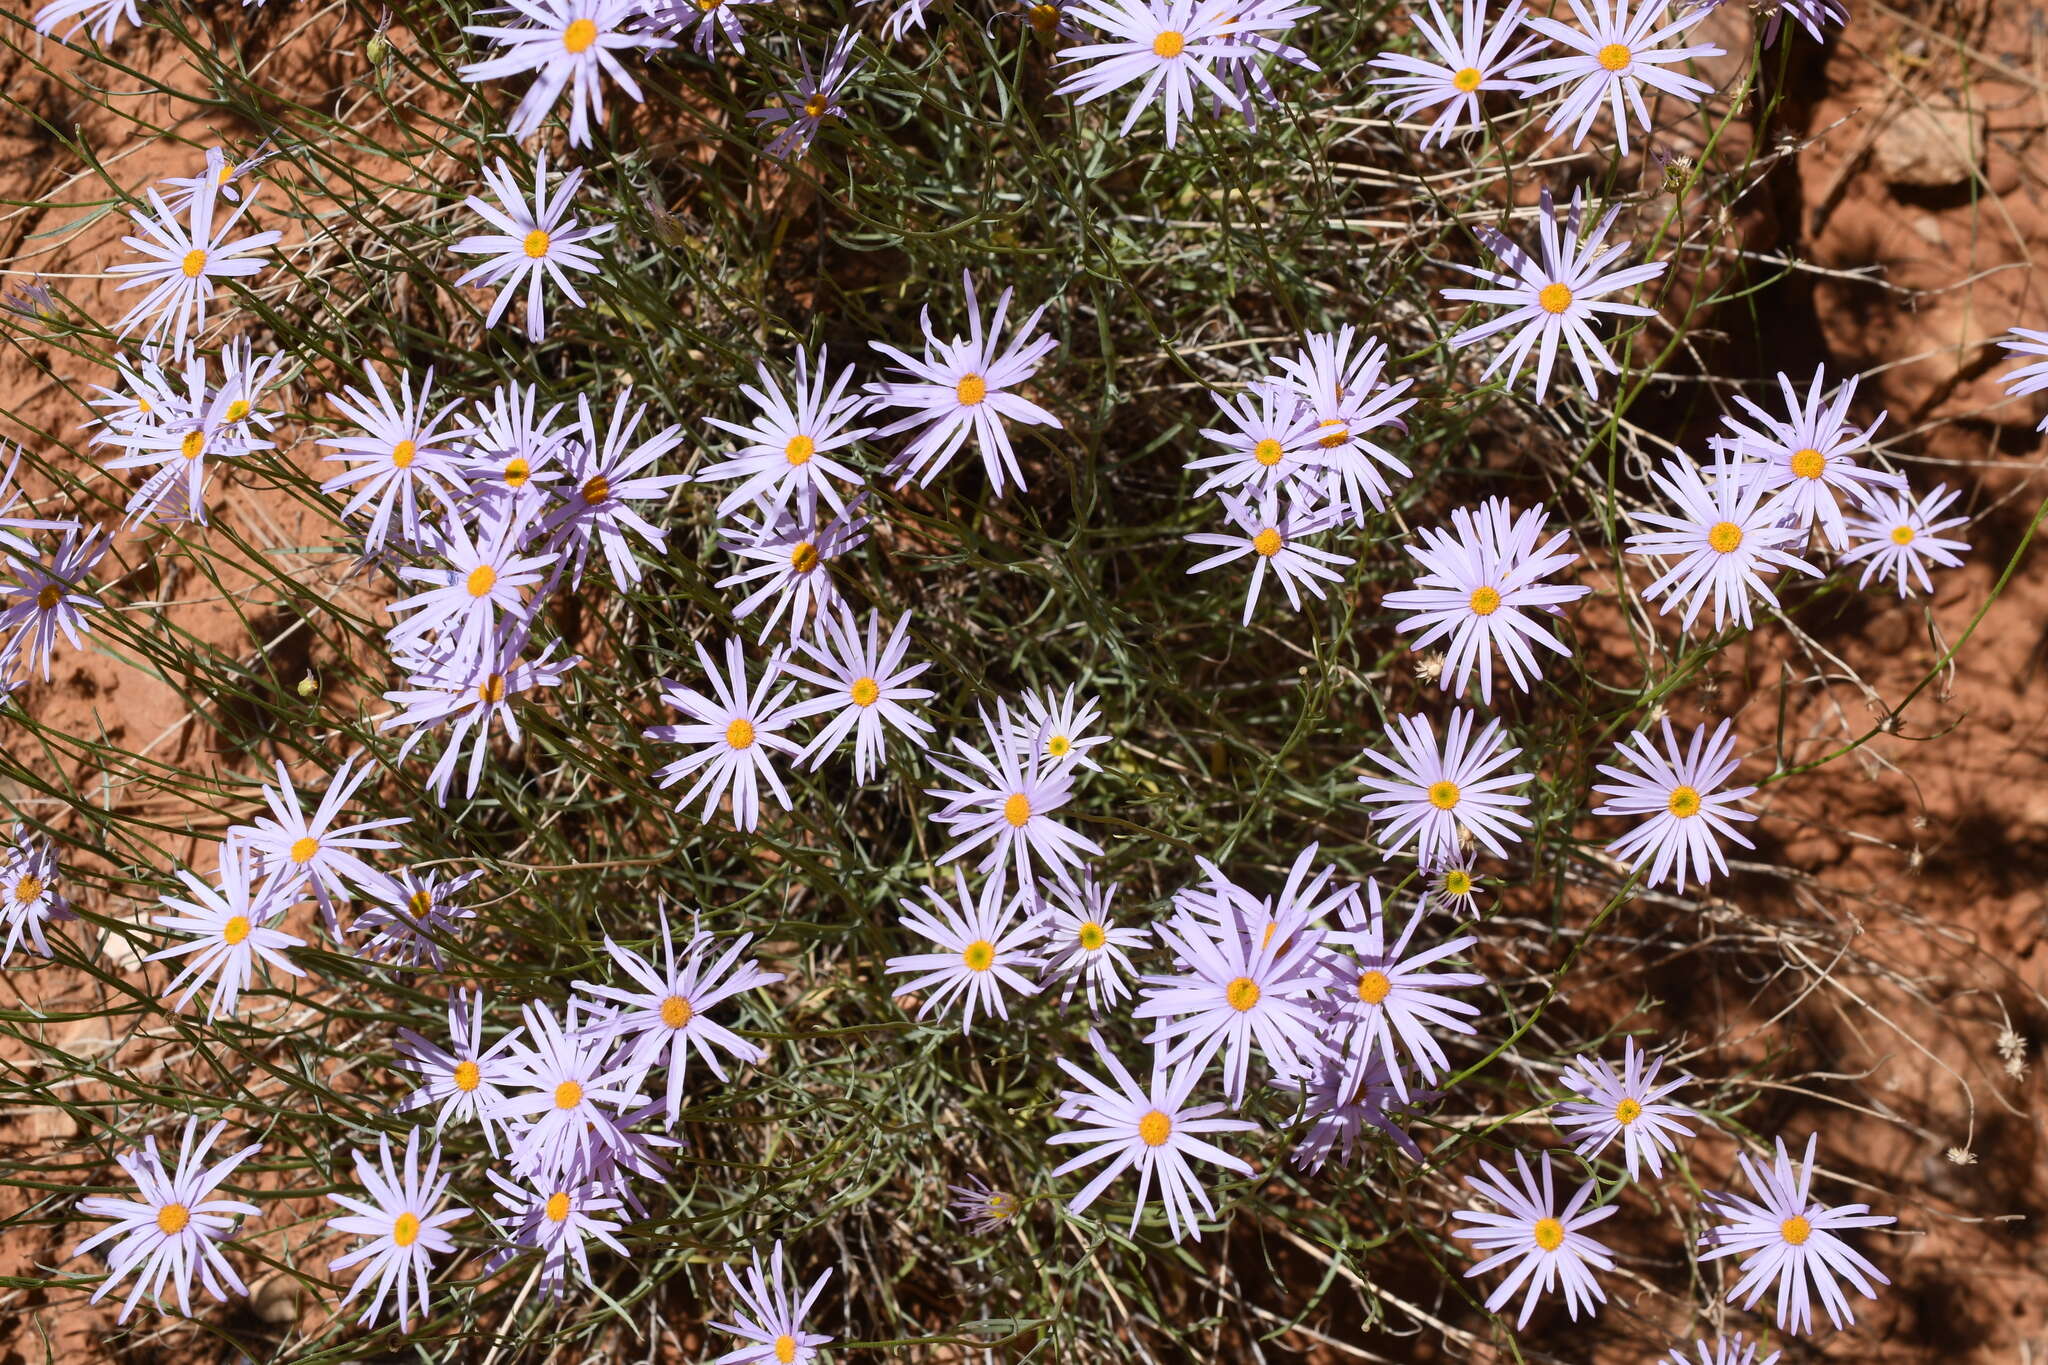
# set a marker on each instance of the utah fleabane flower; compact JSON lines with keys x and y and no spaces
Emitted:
{"x":1629,"y":1105}
{"x":605,"y":471}
{"x":1006,"y":801}
{"x":186,"y":262}
{"x":1805,"y":459}
{"x":318,"y":849}
{"x":533,"y":243}
{"x":789,"y":554}
{"x":1383,"y":1001}
{"x":1172,"y":47}
{"x":1555,"y":295}
{"x":813,"y":101}
{"x":46,"y":600}
{"x":1346,"y":391}
{"x":557,"y":1218}
{"x":980,"y":941}
{"x":1084,"y":945}
{"x":1272,"y":533}
{"x":867,"y":689}
{"x":1340,"y":1100}
{"x":1681,"y":791}
{"x":407,"y":454}
{"x":795,"y":450}
{"x":737,"y":730}
{"x":29,"y":894}
{"x":771,"y":1329}
{"x":1725,"y":540}
{"x":1548,"y":1247}
{"x":964,"y":388}
{"x":567,"y":1097}
{"x":568,"y":45}
{"x":1150,"y":1126}
{"x":1270,"y":441}
{"x":466,"y":1079}
{"x":1616,"y":55}
{"x":1432,"y":794}
{"x":1792,"y":1242}
{"x":1893,"y":536}
{"x":1470,"y":59}
{"x":1476,"y":588}
{"x":228,"y":932}
{"x":480,"y":586}
{"x":407,"y":1226}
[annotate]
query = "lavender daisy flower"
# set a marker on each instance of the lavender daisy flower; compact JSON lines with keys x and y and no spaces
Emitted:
{"x":466,"y":1080}
{"x":411,"y":914}
{"x":1436,"y":796}
{"x":962,"y":388}
{"x":1894,"y":536}
{"x":175,"y":1230}
{"x":1554,"y":296}
{"x":771,"y":1325}
{"x":466,"y":607}
{"x":530,"y":246}
{"x":1273,"y":534}
{"x":1006,"y":802}
{"x":1347,"y":394}
{"x":176,"y":447}
{"x":2033,"y":376}
{"x":29,"y":894}
{"x":1469,"y":60}
{"x":1172,"y":46}
{"x":1612,"y":60}
{"x":665,"y":1013}
{"x":48,"y":601}
{"x":1724,"y":538}
{"x":1630,"y":1106}
{"x":318,"y":849}
{"x":1149,"y":1126}
{"x":1683,"y":793}
{"x":228,"y":931}
{"x":1792,"y":1242}
{"x":867,"y":689}
{"x":737,"y":727}
{"x":706,"y":21}
{"x":788,"y":453}
{"x":441,"y":687}
{"x":813,"y":102}
{"x":101,"y":18}
{"x":1268,"y":446}
{"x":1548,"y":1248}
{"x":1383,"y":1002}
{"x":1475,"y":589}
{"x":605,"y":474}
{"x":1340,"y":1101}
{"x":1058,"y":723}
{"x":1085,"y":945}
{"x":789,"y":555}
{"x":557,"y":1218}
{"x":979,"y":938}
{"x":514,"y":455}
{"x":567,"y":1096}
{"x":984,"y":1209}
{"x":405,"y":1223}
{"x":568,"y":45}
{"x":186,"y":263}
{"x":406,"y":454}
{"x":1803,"y":461}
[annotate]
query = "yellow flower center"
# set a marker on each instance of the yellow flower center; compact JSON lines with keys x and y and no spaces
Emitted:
{"x":803,"y":556}
{"x":578,"y":37}
{"x":518,"y":472}
{"x":1373,"y":986}
{"x":468,"y":1076}
{"x":48,"y":596}
{"x":235,"y":930}
{"x":1001,"y":1206}
{"x":557,"y":1207}
{"x":1330,"y":440}
{"x":816,"y":106}
{"x":866,"y":692}
{"x":709,"y":5}
{"x":1457,"y":882}
{"x":481,"y":580}
{"x":420,"y":903}
{"x":1795,"y":1230}
{"x":536,"y":244}
{"x":1059,"y":746}
{"x":1808,"y":463}
{"x":1169,"y":44}
{"x":979,"y":955}
{"x":28,"y":889}
{"x":1268,"y":452}
{"x":1268,"y":542}
{"x":402,"y":454}
{"x":171,"y":1219}
{"x":597,"y":490}
{"x":1092,"y":936}
{"x":491,"y":689}
{"x":1724,"y":537}
{"x":676,"y":1012}
{"x":740,"y":733}
{"x":1242,"y":994}
{"x":193,"y":446}
{"x":800,"y":449}
{"x":971,"y":390}
{"x":1615,"y":57}
{"x":194,"y":264}
{"x":303,"y":849}
{"x":1045,"y":19}
{"x":1549,"y":1233}
{"x":568,"y":1095}
{"x":1902,"y":535}
{"x":1467,"y":79}
{"x":406,"y":1230}
{"x":1017,"y":810}
{"x":1554,"y":298}
{"x":1155,"y":1128}
{"x":238,"y":409}
{"x":1485,"y":601}
{"x":1684,"y":802}
{"x":1627,"y":1112}
{"x":1443,"y":795}
{"x":785,"y":1348}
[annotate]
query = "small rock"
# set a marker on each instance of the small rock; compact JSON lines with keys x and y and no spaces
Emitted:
{"x":1930,"y":147}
